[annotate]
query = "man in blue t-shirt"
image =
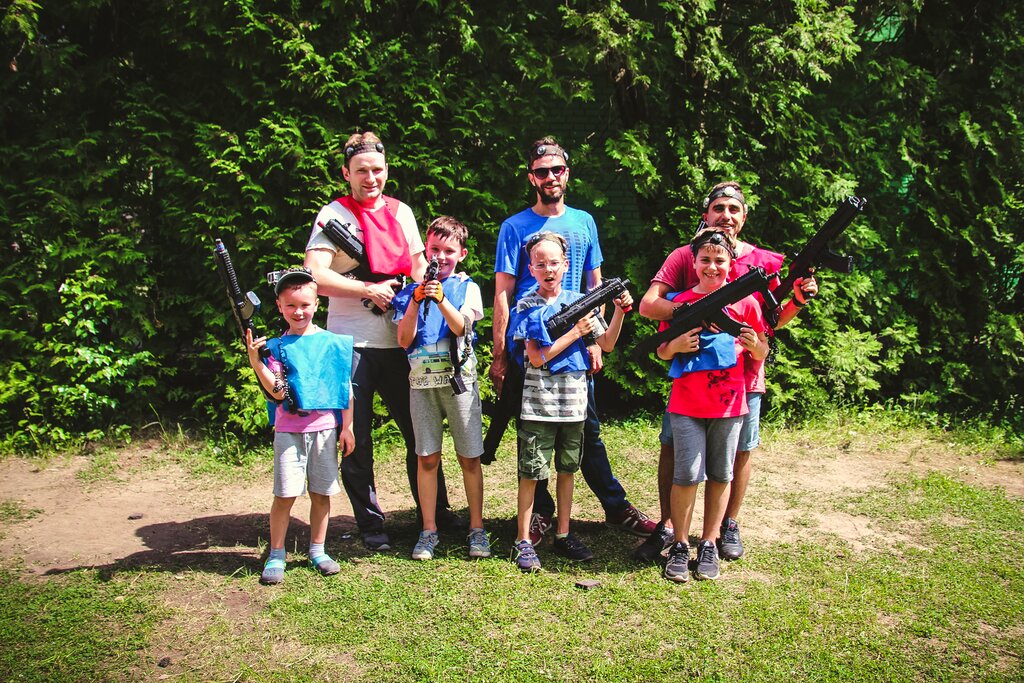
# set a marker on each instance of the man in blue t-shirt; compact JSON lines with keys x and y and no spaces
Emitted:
{"x":547,"y":166}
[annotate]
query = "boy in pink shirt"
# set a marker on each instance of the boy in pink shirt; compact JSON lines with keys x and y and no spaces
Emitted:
{"x":308,"y":374}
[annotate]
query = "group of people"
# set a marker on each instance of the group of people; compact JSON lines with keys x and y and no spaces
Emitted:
{"x":412,"y":345}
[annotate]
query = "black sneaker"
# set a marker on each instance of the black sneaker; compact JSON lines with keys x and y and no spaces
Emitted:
{"x":377,"y":541}
{"x":707,"y":562}
{"x":572,"y":548}
{"x":650,"y":550}
{"x":730,"y":547}
{"x":678,"y":566}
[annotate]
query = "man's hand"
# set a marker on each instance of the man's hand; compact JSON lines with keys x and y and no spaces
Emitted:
{"x":499,"y":366}
{"x":804,"y":289}
{"x":596,"y":358}
{"x":381,"y":293}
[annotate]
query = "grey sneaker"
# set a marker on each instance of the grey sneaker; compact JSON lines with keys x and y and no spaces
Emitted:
{"x":526,"y":557}
{"x":424,"y":548}
{"x":730,"y":547}
{"x":479,"y":546}
{"x":650,"y":550}
{"x":707,"y":561}
{"x":678,"y":566}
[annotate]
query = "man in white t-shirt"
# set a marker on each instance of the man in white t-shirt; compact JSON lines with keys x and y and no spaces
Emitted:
{"x":359,"y":297}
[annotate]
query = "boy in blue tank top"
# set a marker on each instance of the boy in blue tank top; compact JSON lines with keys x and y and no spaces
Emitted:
{"x":307,"y":373}
{"x":435,"y":325}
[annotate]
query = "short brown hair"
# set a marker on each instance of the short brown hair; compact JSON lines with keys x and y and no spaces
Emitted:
{"x":447,"y":227}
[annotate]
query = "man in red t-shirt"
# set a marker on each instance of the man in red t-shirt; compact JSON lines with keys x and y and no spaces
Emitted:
{"x":725,"y":208}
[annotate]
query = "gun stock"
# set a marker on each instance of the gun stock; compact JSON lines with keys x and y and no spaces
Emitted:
{"x":817,"y":253}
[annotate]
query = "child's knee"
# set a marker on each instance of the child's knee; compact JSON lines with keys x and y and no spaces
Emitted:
{"x":471,"y":465}
{"x":429,"y":463}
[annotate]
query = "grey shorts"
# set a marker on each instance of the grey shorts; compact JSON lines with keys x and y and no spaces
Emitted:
{"x":704,"y":448}
{"x":302,"y":456}
{"x":541,"y":442}
{"x":750,"y":435}
{"x":429,"y":408}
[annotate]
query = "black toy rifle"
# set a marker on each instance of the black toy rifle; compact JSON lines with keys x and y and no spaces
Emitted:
{"x":430,"y":274}
{"x":817,"y":253}
{"x":342,"y":236}
{"x":510,"y":401}
{"x":710,"y":309}
{"x":243,"y":306}
{"x":599,"y":296}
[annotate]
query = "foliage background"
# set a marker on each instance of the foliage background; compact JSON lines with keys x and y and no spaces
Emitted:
{"x":135,"y":133}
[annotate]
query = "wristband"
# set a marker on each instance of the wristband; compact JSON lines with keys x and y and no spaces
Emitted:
{"x":798,"y":304}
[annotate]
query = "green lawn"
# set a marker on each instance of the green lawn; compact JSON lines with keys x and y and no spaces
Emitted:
{"x":935,"y":591}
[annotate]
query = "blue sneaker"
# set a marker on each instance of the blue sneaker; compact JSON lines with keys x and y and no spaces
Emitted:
{"x":526,"y":557}
{"x":424,"y":549}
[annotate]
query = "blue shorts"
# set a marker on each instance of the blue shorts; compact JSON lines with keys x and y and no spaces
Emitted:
{"x":750,"y":435}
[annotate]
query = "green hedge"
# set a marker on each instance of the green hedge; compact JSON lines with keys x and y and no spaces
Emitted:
{"x":134,"y":133}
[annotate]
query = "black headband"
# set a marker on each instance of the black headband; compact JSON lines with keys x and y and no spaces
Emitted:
{"x":362,"y":148}
{"x":715,"y":237}
{"x":545,"y":150}
{"x":727,"y":191}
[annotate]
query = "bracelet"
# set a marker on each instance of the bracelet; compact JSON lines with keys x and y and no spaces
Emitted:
{"x":798,"y":304}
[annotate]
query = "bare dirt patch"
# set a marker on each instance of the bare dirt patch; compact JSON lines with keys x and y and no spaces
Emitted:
{"x":150,"y":512}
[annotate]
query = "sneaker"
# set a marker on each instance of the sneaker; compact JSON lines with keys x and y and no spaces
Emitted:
{"x":376,"y":540}
{"x":678,"y":566}
{"x":273,"y":573}
{"x":707,"y":561}
{"x":526,"y":557}
{"x":539,"y":525}
{"x":572,"y":548}
{"x":326,"y":566}
{"x":650,"y":550}
{"x":424,"y":548}
{"x":479,"y":546}
{"x":631,"y":521}
{"x":730,"y":547}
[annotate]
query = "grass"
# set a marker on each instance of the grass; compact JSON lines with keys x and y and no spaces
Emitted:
{"x":936,"y":592}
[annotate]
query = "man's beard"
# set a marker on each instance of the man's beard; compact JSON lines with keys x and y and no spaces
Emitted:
{"x":549,"y":198}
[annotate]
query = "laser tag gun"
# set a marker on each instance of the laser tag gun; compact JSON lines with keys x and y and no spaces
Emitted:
{"x":243,"y":306}
{"x":710,"y":309}
{"x":342,"y":236}
{"x":591,"y":302}
{"x":430,"y":274}
{"x":817,"y":253}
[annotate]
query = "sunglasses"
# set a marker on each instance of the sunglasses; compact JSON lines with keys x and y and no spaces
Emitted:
{"x":542,"y":172}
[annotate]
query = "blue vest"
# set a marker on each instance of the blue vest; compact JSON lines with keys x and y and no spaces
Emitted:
{"x":433,"y":327}
{"x":717,"y":351}
{"x":318,"y":368}
{"x":532,"y":325}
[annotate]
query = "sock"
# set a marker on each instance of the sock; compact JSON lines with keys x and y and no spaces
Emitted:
{"x":316,"y":553}
{"x":277,"y":554}
{"x":562,"y":535}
